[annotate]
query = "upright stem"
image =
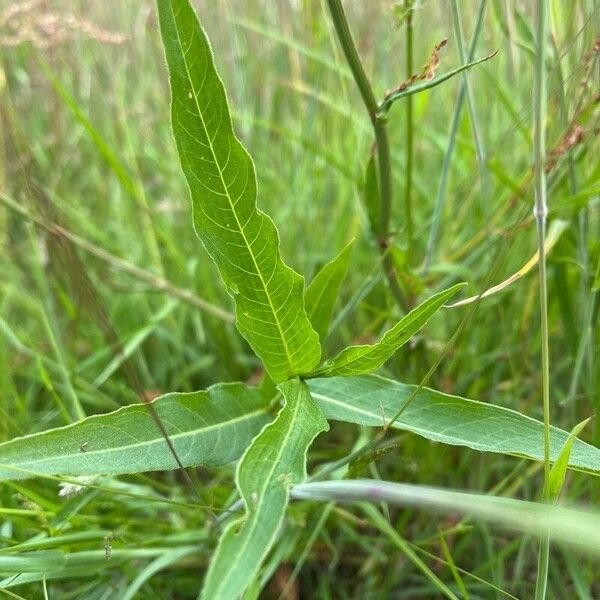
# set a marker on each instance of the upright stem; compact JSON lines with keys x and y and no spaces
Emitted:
{"x":409,"y":130}
{"x":338,"y":16}
{"x":541,"y":212}
{"x":384,"y":165}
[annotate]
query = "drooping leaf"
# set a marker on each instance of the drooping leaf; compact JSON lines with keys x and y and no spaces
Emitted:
{"x":209,"y":428}
{"x":578,"y":527}
{"x":356,"y":360}
{"x":241,"y":239}
{"x":556,"y":229}
{"x":559,"y":468}
{"x":274,"y":462}
{"x":322,"y":293}
{"x":372,"y":400}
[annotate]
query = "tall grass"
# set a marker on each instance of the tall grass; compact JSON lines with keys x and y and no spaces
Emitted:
{"x":77,"y":242}
{"x":541,"y":216}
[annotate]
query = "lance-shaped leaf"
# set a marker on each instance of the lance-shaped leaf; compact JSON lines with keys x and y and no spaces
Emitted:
{"x":357,"y":360}
{"x":374,"y":401}
{"x":559,"y":468}
{"x":210,"y":428}
{"x":323,"y":291}
{"x":275,"y":461}
{"x":242,"y":240}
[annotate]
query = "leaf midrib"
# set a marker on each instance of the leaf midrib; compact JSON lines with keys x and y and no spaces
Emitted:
{"x":364,"y":351}
{"x":241,"y":230}
{"x":398,"y":424}
{"x":159,"y":439}
{"x":252,"y":516}
{"x":578,"y":466}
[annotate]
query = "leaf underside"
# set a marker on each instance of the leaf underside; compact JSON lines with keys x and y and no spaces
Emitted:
{"x":372,"y":400}
{"x":274,"y":462}
{"x":210,"y":428}
{"x":214,"y":427}
{"x":242,"y":240}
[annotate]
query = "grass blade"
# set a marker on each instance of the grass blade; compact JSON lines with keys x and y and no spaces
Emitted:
{"x":28,"y":562}
{"x":577,"y":527}
{"x":441,"y":192}
{"x":558,"y":471}
{"x":387,"y":529}
{"x":556,"y":230}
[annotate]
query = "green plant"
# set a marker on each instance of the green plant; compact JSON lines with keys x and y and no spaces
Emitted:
{"x":270,"y":428}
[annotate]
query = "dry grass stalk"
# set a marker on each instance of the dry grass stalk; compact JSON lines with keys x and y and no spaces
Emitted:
{"x":30,"y":22}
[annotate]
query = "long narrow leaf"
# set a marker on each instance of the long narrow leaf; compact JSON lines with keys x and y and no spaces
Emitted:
{"x":210,"y":428}
{"x":555,"y":231}
{"x":558,"y":471}
{"x":357,"y":360}
{"x":83,"y":564}
{"x":373,"y":400}
{"x":242,"y":240}
{"x":323,"y":291}
{"x":275,"y":462}
{"x":578,"y":527}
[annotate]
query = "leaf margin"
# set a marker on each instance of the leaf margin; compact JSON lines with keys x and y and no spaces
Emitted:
{"x":288,"y":345}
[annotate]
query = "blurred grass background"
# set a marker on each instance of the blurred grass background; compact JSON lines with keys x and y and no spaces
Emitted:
{"x":106,"y":293}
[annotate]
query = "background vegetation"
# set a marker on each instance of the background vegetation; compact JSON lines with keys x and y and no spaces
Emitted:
{"x":106,"y":293}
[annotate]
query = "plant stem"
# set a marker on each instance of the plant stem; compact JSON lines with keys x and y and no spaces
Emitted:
{"x":384,"y":166}
{"x":409,"y":131}
{"x":338,"y":16}
{"x":541,"y":213}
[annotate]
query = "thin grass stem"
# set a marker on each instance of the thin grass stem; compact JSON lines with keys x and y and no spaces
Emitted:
{"x":409,"y":131}
{"x":477,"y":137}
{"x":384,"y":164}
{"x":541,"y":213}
{"x":441,"y":192}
